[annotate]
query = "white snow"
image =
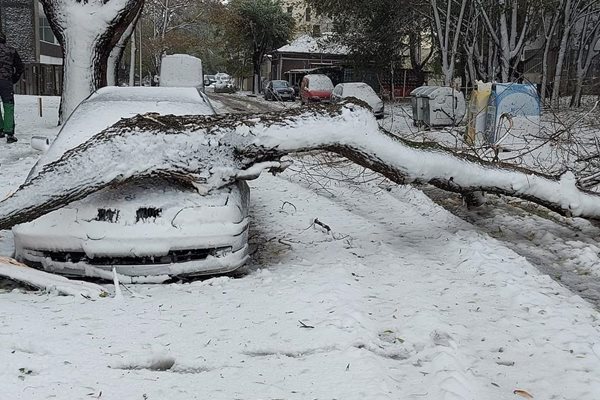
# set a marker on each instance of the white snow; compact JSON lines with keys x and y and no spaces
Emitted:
{"x":401,"y":300}
{"x":309,"y":44}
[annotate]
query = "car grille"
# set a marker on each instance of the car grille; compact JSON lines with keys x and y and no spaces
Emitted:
{"x":173,"y":257}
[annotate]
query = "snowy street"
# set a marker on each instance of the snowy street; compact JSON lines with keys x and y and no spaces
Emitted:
{"x":389,"y":296}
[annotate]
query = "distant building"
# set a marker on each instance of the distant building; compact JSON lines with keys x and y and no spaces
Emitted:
{"x":292,"y":61}
{"x":27,"y":29}
{"x":307,"y":20}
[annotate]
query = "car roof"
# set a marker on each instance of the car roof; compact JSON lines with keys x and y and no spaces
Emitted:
{"x":357,"y":84}
{"x":108,"y":105}
{"x":309,"y":76}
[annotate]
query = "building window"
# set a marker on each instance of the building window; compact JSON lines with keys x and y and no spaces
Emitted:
{"x":290,"y":10}
{"x":316,"y":30}
{"x":307,"y":16}
{"x":46,"y":34}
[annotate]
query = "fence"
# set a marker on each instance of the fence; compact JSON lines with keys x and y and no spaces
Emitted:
{"x":41,"y":80}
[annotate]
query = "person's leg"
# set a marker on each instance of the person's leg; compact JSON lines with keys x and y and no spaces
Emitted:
{"x":8,"y":102}
{"x":1,"y":124}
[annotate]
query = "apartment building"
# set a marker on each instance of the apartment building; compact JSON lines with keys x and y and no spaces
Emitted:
{"x":27,"y":29}
{"x":307,"y":20}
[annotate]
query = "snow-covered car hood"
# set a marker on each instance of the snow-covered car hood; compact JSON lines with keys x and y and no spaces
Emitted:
{"x":109,"y":105}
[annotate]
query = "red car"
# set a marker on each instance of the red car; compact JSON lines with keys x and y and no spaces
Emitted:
{"x":315,"y":88}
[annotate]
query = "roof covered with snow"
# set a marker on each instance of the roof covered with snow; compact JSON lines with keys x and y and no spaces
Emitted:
{"x":309,"y":44}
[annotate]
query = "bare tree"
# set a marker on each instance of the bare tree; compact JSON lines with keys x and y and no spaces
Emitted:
{"x":573,"y":11}
{"x":587,"y":42}
{"x":509,"y":33}
{"x":549,"y":19}
{"x":162,"y":20}
{"x":447,"y":28}
{"x":88,"y":31}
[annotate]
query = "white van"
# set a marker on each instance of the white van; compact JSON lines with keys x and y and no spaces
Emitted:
{"x":181,"y":70}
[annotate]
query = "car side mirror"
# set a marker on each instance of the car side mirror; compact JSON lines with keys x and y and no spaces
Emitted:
{"x":40,"y":143}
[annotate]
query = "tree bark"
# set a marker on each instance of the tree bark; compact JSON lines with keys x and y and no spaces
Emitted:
{"x":213,"y":151}
{"x":114,"y":59}
{"x":88,"y":31}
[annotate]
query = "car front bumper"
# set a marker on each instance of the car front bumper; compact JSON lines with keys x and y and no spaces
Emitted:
{"x":158,"y":251}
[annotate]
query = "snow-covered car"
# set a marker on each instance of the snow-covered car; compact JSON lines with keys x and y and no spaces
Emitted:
{"x":315,"y":88}
{"x":279,"y":90}
{"x":361,"y":91}
{"x":145,"y":228}
{"x":209,"y":80}
{"x":224,"y":83}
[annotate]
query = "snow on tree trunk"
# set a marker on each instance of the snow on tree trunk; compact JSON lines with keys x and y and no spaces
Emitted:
{"x":114,"y":59}
{"x":448,"y":31}
{"x":549,"y":22}
{"x":587,"y":41}
{"x":212,"y":151}
{"x":509,"y":36}
{"x":88,"y":31}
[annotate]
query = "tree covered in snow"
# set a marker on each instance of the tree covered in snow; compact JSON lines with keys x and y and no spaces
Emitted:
{"x":179,"y":26}
{"x":88,"y":31}
{"x":380,"y":33}
{"x":253,"y":28}
{"x":209,"y":152}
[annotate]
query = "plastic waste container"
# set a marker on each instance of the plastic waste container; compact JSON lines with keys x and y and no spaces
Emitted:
{"x":417,"y":104}
{"x":513,"y":114}
{"x":443,"y":106}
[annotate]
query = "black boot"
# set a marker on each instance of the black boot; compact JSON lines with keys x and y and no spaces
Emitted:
{"x":11,"y":139}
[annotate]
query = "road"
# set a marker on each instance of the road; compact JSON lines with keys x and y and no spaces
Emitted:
{"x":245,"y":103}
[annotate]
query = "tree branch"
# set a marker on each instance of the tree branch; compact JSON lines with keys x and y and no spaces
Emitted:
{"x":213,"y":151}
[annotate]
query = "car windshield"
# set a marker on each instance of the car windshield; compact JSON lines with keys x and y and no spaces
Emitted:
{"x":320,"y":82}
{"x":280,"y":84}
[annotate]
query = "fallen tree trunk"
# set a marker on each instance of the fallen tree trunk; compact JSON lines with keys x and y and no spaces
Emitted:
{"x":212,"y":151}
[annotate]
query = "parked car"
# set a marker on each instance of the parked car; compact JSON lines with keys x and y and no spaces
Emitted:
{"x":279,"y":90}
{"x":153,"y":227}
{"x":209,"y":80}
{"x":361,"y":91}
{"x":181,"y":70}
{"x":315,"y":88}
{"x":224,"y":83}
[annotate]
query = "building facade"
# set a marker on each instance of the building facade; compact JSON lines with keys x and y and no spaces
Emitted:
{"x":26,"y":28}
{"x":307,"y":21}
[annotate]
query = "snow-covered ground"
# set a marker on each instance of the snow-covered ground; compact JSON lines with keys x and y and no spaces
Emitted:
{"x":399,"y":300}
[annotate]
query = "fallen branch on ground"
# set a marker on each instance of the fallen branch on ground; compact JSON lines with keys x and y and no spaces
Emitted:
{"x":21,"y":273}
{"x":212,"y":151}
